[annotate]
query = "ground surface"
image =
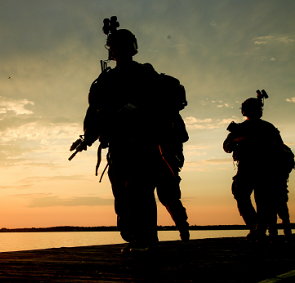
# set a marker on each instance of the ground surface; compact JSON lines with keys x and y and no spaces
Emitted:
{"x":207,"y":260}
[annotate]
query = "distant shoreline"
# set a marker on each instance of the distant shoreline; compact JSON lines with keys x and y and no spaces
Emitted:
{"x":114,"y":228}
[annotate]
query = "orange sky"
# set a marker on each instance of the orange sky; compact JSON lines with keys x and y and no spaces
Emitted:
{"x":221,"y":51}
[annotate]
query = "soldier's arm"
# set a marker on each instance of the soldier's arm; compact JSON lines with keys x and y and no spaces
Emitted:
{"x":93,"y":120}
{"x":91,"y":130}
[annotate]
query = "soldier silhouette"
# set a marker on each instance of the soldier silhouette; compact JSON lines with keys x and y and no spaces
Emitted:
{"x":264,"y":164}
{"x":134,"y":112}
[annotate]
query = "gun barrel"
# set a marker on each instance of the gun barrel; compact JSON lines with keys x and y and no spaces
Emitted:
{"x":73,"y":155}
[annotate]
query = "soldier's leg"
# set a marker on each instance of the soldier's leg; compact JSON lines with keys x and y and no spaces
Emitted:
{"x":242,"y":194}
{"x":169,"y":194}
{"x":135,"y":206}
{"x":266,"y":212}
{"x":283,"y":213}
{"x":282,"y":205}
{"x":271,"y":198}
{"x":144,"y":217}
{"x":123,"y":204}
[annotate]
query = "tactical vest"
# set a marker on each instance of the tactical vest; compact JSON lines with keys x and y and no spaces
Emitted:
{"x":119,"y":102}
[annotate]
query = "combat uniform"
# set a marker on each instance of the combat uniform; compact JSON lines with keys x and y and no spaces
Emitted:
{"x":126,"y":114}
{"x":259,"y":169}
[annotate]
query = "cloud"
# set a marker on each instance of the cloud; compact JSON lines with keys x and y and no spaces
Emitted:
{"x":16,"y":106}
{"x":51,"y":201}
{"x":21,"y":149}
{"x":202,"y":124}
{"x":26,"y":138}
{"x":15,"y":128}
{"x":223,"y":105}
{"x":28,"y":182}
{"x":218,"y":161}
{"x":35,"y":179}
{"x":194,"y":147}
{"x":206,"y":164}
{"x":195,"y":153}
{"x":273,"y":39}
{"x":217,"y":103}
{"x":39,"y":131}
{"x":213,"y":24}
{"x":17,"y":122}
{"x":194,"y":166}
{"x":15,"y":187}
{"x":292,"y":100}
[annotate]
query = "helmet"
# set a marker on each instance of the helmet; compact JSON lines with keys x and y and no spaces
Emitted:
{"x":121,"y":43}
{"x":252,"y":107}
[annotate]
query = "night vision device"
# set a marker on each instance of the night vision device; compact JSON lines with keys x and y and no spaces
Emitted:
{"x":261,"y":95}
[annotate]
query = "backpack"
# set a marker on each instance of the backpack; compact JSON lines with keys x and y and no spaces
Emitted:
{"x":173,"y":94}
{"x":172,"y":99}
{"x":287,"y":158}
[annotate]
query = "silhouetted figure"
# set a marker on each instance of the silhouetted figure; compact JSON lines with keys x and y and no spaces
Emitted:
{"x":264,"y":165}
{"x":134,"y":111}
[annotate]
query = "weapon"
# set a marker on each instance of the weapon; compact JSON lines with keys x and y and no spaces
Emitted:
{"x":109,"y":27}
{"x":78,"y":145}
{"x":232,"y":127}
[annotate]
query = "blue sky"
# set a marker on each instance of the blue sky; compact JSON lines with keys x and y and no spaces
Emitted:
{"x":221,"y":51}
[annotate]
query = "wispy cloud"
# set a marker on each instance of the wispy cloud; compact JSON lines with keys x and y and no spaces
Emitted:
{"x":51,"y":201}
{"x":39,"y":131}
{"x":273,"y":39}
{"x":194,"y":166}
{"x":15,"y":187}
{"x":17,"y":122}
{"x":217,"y":103}
{"x":201,"y":124}
{"x":28,"y":182}
{"x":213,"y":24}
{"x":218,"y":161}
{"x":196,"y":146}
{"x":223,"y":105}
{"x":26,"y":141}
{"x":292,"y":100}
{"x":16,"y":106}
{"x":36,"y":179}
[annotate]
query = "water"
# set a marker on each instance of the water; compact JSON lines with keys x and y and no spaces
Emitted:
{"x":17,"y":241}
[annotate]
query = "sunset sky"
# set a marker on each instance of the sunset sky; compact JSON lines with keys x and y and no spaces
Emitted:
{"x":50,"y":51}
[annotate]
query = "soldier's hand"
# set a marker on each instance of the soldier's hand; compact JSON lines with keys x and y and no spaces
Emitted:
{"x":82,"y":146}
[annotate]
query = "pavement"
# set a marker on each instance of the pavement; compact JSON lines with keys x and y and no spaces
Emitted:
{"x":206,"y":260}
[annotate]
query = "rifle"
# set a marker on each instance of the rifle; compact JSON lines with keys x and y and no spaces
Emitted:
{"x":110,"y":26}
{"x":78,"y":145}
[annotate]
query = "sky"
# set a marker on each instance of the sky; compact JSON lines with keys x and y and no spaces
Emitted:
{"x":50,"y":52}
